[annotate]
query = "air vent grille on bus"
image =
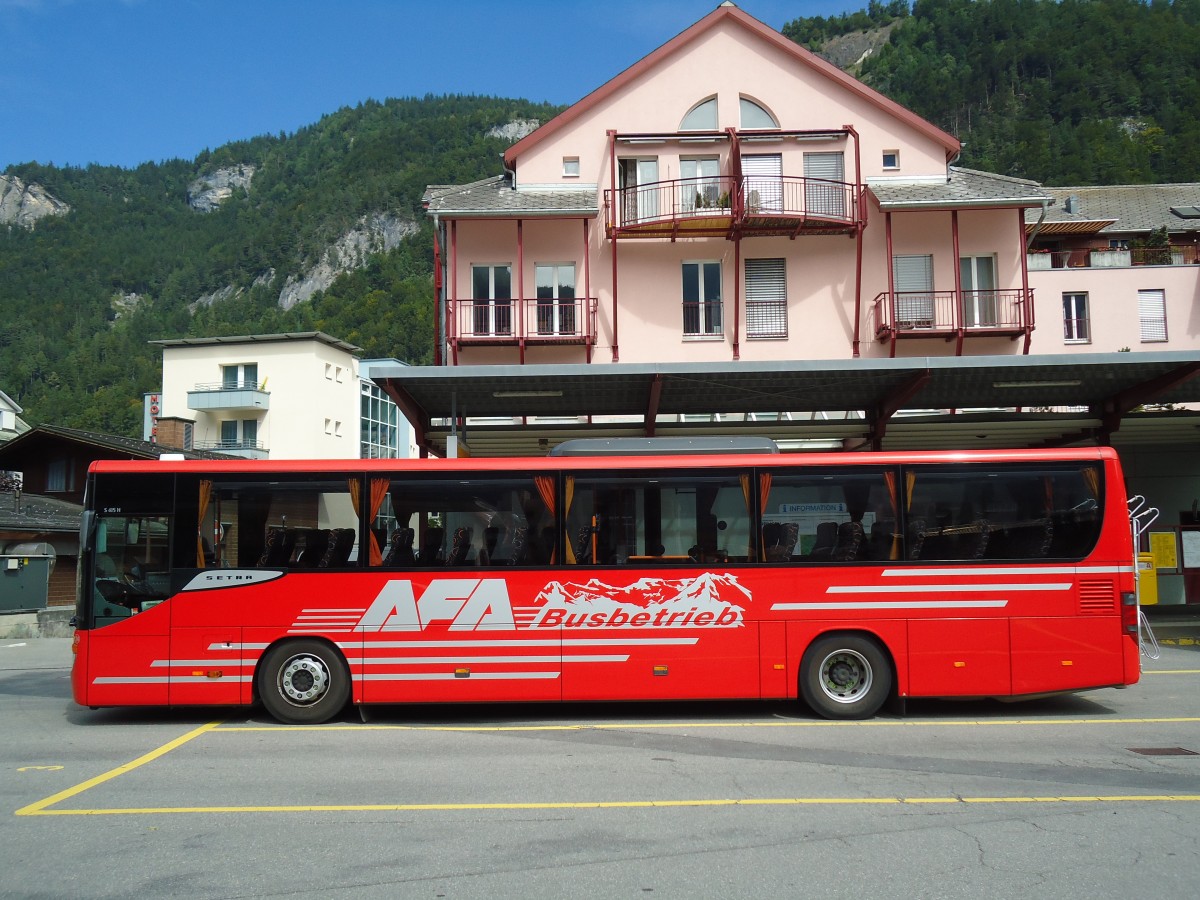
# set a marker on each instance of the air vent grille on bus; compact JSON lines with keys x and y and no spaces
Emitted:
{"x":1097,"y":597}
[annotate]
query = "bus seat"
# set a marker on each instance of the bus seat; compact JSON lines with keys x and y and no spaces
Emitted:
{"x":583,"y":545}
{"x":781,"y":550}
{"x":849,"y":541}
{"x":458,"y":549}
{"x":400,"y":551}
{"x":516,"y":549}
{"x":914,"y":530}
{"x":826,"y":540}
{"x":431,"y":545}
{"x":312,"y":551}
{"x":278,"y":547}
{"x":341,"y":542}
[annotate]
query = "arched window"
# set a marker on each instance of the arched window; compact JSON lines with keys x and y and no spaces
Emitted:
{"x":754,"y":116}
{"x":701,"y":117}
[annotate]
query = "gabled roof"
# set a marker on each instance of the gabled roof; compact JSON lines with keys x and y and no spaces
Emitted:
{"x":130,"y":448}
{"x":963,"y":188}
{"x":1122,"y":207}
{"x":496,"y":195}
{"x":36,"y":514}
{"x":727,"y":12}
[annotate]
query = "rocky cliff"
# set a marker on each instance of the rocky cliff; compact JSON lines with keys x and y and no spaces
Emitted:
{"x":23,"y":204}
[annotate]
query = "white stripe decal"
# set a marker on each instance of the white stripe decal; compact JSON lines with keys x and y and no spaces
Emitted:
{"x":171,"y":663}
{"x":460,"y":660}
{"x":116,"y":679}
{"x":201,"y":679}
{"x":897,"y":604}
{"x":943,"y":588}
{"x":522,"y":642}
{"x":450,"y":676}
{"x":229,"y":645}
{"x":1006,"y":570}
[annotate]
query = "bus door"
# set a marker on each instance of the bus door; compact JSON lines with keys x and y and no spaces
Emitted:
{"x":127,"y":624}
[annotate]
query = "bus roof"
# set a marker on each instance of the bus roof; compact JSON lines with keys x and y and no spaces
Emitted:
{"x":537,"y":464}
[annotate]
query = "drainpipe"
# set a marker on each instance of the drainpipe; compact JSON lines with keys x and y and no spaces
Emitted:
{"x":1027,"y":296}
{"x":959,"y":326}
{"x":858,"y":202}
{"x":439,"y":290}
{"x":891,"y":274}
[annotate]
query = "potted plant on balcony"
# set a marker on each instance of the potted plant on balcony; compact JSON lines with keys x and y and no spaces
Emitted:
{"x":1039,"y":259}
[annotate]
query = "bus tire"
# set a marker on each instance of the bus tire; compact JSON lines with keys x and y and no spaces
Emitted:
{"x":845,"y":676}
{"x":303,"y":682}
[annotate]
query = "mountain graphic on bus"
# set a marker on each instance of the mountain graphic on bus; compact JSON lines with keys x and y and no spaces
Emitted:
{"x":707,"y":599}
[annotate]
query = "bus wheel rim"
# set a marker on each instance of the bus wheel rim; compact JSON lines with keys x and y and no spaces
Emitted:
{"x":846,"y":676}
{"x":303,"y":680}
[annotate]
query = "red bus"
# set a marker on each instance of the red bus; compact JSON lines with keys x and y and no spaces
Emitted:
{"x":842,"y":579}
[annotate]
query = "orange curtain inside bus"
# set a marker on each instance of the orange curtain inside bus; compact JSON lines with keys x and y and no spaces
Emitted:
{"x":1091,"y":478}
{"x":890,"y":479}
{"x":379,"y":488}
{"x":568,"y":499}
{"x":205,"y":497}
{"x":545,"y":489}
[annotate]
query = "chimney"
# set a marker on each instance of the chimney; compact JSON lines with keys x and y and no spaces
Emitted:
{"x":1072,"y":204}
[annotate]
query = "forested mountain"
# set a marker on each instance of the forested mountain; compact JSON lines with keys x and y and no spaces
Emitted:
{"x":1072,"y":92}
{"x":81,"y":294}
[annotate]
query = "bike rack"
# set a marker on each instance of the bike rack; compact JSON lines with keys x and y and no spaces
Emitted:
{"x":1141,"y":517}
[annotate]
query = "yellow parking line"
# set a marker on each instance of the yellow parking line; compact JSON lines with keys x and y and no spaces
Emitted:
{"x":620,"y":804}
{"x":40,"y":808}
{"x":635,"y":726}
{"x":1172,"y":672}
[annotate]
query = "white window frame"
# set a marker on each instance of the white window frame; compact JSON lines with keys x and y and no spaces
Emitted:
{"x":895,"y":160}
{"x":556,"y":314}
{"x":239,"y":382}
{"x":980,"y":305}
{"x":492,"y":315}
{"x":700,"y":184}
{"x":1077,"y":329}
{"x":570,"y":167}
{"x":709,"y":313}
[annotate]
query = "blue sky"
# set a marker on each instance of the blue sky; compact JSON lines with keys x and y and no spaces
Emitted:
{"x":121,"y":82}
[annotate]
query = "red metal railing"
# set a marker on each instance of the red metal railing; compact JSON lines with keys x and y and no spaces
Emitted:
{"x":917,"y":312}
{"x":1104,"y":258}
{"x":752,"y":198}
{"x":523,"y":321}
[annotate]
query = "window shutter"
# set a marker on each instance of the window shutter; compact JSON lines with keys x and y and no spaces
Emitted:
{"x":1152,"y":313}
{"x":766,"y":298}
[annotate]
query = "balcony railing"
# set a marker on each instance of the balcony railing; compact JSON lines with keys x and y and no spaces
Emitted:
{"x":244,"y":449}
{"x":1184,"y":255}
{"x":523,"y":321}
{"x":229,"y":395}
{"x":715,"y":206}
{"x":949,"y":313}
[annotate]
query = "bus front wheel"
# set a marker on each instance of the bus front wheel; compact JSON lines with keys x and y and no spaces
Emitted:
{"x":303,"y":682}
{"x":845,"y":676}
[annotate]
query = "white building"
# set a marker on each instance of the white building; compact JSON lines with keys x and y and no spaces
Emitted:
{"x":278,"y":396}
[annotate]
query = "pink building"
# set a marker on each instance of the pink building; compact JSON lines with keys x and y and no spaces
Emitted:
{"x":733,"y":196}
{"x":735,"y":207}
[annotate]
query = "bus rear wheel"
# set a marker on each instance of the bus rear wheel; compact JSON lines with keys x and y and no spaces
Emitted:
{"x":303,"y":682}
{"x":845,"y":676}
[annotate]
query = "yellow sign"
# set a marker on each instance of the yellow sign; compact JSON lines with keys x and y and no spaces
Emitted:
{"x":1162,"y":546}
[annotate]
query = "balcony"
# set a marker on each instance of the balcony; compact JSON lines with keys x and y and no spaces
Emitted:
{"x":231,"y":396}
{"x":244,"y":449}
{"x":522,"y":322}
{"x":949,"y":314}
{"x":1106,"y":258}
{"x":750,"y":206}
